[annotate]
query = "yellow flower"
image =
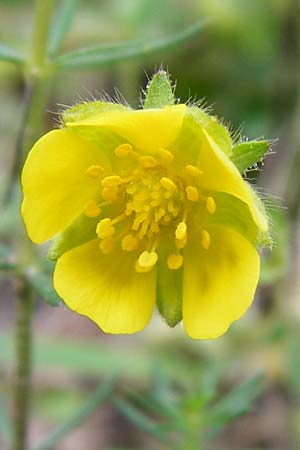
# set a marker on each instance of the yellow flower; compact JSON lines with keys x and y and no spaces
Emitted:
{"x":147,"y":208}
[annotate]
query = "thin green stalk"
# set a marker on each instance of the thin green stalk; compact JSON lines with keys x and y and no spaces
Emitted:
{"x":36,"y":95}
{"x":23,"y":367}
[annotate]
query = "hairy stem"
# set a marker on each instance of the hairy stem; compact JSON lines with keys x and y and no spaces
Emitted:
{"x":36,"y":89}
{"x":23,"y":367}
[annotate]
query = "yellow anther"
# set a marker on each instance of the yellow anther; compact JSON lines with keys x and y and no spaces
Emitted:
{"x":107,"y":245}
{"x":210,"y":205}
{"x":110,"y":194}
{"x":192,"y":193}
{"x":166,"y":155}
{"x":123,"y":150}
{"x":205,"y":240}
{"x":166,"y":219}
{"x":168,"y":184}
{"x":111,"y":181}
{"x":193,"y":171}
{"x":140,"y":269}
{"x":129,"y":243}
{"x":174,"y":262}
{"x":180,"y":232}
{"x":147,"y":259}
{"x":148,"y":161}
{"x":181,"y":243}
{"x":105,"y":228}
{"x":94,"y":171}
{"x":92,"y":209}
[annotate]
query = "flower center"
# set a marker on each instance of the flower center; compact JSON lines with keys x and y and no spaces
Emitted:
{"x":154,"y":201}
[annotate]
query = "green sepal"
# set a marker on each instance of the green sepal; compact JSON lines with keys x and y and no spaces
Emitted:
{"x":234,"y":213}
{"x":81,"y":230}
{"x":245,"y":154}
{"x":215,"y":129}
{"x":86,"y":110}
{"x":159,"y":91}
{"x":169,"y":288}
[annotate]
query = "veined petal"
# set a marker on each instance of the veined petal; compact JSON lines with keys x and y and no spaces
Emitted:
{"x":106,"y":288}
{"x":147,"y":129}
{"x":220,"y":174}
{"x":218,"y":283}
{"x":54,"y":183}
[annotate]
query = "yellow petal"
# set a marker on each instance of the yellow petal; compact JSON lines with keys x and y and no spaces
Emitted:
{"x":218,"y":283}
{"x":220,"y":174}
{"x":147,"y":129}
{"x":55,"y":185}
{"x":106,"y":288}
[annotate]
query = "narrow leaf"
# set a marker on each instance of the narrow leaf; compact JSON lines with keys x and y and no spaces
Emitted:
{"x":11,"y":55}
{"x":42,"y":283}
{"x":5,"y":425}
{"x":234,"y":404}
{"x":246,"y":154}
{"x":98,"y":396}
{"x":6,"y":262}
{"x":159,"y":91}
{"x":61,"y":24}
{"x":100,"y":55}
{"x":138,"y":418}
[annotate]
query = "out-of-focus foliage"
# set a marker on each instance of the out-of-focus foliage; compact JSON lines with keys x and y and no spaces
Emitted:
{"x":246,"y":63}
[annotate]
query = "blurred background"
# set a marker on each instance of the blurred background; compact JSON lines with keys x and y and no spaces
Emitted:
{"x":245,"y":62}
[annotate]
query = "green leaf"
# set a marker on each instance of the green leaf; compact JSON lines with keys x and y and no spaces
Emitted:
{"x":293,"y":363}
{"x":215,"y":129}
{"x":159,"y":91}
{"x":100,"y":55}
{"x":233,"y":405}
{"x":246,"y":154}
{"x":11,"y":55}
{"x":61,"y":24}
{"x":88,"y":109}
{"x":5,"y":425}
{"x":138,"y":418}
{"x":99,"y":395}
{"x":6,"y":262}
{"x":42,"y":283}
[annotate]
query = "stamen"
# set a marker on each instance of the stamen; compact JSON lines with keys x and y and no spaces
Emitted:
{"x":129,"y":243}
{"x":123,"y":150}
{"x":175,"y":261}
{"x":193,"y":171}
{"x":181,"y":243}
{"x":205,"y":240}
{"x":148,"y":162}
{"x":147,"y":259}
{"x":110,"y":194}
{"x":107,"y":245}
{"x":105,"y":228}
{"x":92,"y":209}
{"x":118,"y":219}
{"x":111,"y":181}
{"x":166,"y":155}
{"x":168,"y":184}
{"x":210,"y":205}
{"x":192,"y":193}
{"x":94,"y":171}
{"x":180,"y":232}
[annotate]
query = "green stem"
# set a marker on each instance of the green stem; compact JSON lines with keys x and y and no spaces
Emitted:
{"x":37,"y":85}
{"x":23,"y":368}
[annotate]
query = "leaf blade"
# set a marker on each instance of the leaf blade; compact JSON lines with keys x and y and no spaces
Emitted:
{"x":100,"y":55}
{"x":12,"y":55}
{"x":61,"y":24}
